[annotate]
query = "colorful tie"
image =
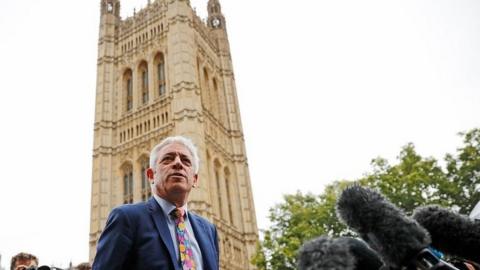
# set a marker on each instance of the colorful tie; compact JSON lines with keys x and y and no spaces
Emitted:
{"x":186,"y":254}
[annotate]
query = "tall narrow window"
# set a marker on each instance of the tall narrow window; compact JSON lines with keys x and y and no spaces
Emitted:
{"x":129,"y":95}
{"x":206,"y":90}
{"x":128,"y":88}
{"x":215,"y":100}
{"x":219,"y":194}
{"x":146,"y":190}
{"x":160,"y":80}
{"x":128,"y":185}
{"x":229,"y":197}
{"x":143,"y":81}
{"x":145,"y":86}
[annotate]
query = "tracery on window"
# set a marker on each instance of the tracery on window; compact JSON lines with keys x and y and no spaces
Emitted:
{"x":229,"y":195}
{"x":143,"y":74}
{"x":159,"y":64}
{"x":146,"y":190}
{"x":127,"y":184}
{"x":128,"y":89}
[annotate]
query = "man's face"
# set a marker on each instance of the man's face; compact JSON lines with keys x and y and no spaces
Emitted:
{"x":23,"y":264}
{"x":174,"y":175}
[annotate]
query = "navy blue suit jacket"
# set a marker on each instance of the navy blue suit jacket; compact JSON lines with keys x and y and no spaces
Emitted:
{"x":136,"y":237}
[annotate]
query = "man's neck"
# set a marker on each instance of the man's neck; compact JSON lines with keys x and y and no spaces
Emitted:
{"x":178,"y":201}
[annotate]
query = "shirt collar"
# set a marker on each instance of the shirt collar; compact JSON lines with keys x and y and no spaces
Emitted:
{"x":168,"y":207}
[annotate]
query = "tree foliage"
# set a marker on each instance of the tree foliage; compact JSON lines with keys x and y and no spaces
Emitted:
{"x":412,"y":182}
{"x":300,"y":217}
{"x":463,"y":170}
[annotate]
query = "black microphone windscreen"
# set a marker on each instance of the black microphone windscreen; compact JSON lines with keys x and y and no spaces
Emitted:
{"x":324,"y":253}
{"x":342,"y":253}
{"x":365,"y":257}
{"x":396,"y":237}
{"x":451,"y":233}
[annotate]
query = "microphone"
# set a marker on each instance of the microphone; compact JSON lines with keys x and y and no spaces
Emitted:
{"x":451,"y":233}
{"x":475,"y":214}
{"x":400,"y":240}
{"x":344,"y":253}
{"x":324,"y":253}
{"x":46,"y":267}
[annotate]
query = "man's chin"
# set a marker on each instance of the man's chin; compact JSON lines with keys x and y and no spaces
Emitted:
{"x":178,"y":180}
{"x":179,"y":187}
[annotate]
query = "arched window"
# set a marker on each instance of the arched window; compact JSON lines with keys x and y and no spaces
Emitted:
{"x":206,"y":90}
{"x":229,"y":195}
{"x":127,"y":184}
{"x":146,"y":190}
{"x":144,"y":86}
{"x":159,"y":63}
{"x":215,"y":99}
{"x":219,"y":194}
{"x":128,"y":89}
{"x":217,"y":169}
{"x":143,"y":74}
{"x":205,"y":79}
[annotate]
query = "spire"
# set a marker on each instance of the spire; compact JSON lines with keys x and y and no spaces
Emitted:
{"x":215,"y":16}
{"x":110,"y":7}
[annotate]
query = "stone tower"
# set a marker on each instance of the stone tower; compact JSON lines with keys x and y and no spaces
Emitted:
{"x":164,"y":71}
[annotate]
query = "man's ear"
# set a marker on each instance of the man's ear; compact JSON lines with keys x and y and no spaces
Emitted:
{"x":149,"y":173}
{"x":195,"y":180}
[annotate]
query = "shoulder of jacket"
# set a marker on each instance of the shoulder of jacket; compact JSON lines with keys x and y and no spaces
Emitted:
{"x":131,"y":208}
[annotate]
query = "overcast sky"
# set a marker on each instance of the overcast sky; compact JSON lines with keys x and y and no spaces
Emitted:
{"x":323,"y":87}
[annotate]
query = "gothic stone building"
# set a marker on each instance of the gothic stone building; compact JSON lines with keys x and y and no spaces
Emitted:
{"x":164,"y":71}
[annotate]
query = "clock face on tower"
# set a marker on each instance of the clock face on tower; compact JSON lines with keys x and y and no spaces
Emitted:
{"x":216,"y":22}
{"x":109,"y":6}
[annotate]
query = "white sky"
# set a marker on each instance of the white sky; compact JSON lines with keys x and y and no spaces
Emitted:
{"x":324,"y":87}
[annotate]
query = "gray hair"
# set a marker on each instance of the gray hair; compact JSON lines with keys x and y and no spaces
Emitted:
{"x":176,"y":139}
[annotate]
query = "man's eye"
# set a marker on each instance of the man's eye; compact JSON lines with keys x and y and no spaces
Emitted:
{"x":167,"y":159}
{"x":186,"y":161}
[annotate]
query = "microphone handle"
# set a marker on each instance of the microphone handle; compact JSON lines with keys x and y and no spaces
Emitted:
{"x":426,"y":260}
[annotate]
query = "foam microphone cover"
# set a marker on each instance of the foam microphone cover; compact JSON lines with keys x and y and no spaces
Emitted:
{"x":324,"y":253}
{"x":396,"y":237}
{"x":451,"y":233}
{"x":365,"y":257}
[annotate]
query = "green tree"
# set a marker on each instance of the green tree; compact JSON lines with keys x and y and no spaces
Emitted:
{"x":463,"y":170}
{"x":299,"y":218}
{"x":414,"y":181}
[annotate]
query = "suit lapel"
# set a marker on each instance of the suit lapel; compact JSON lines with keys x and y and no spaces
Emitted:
{"x":202,"y":235}
{"x":162,"y":227}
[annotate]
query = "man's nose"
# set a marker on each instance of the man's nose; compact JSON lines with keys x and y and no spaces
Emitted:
{"x":177,"y":162}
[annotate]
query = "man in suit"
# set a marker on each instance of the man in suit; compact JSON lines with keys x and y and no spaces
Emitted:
{"x":161,"y":234}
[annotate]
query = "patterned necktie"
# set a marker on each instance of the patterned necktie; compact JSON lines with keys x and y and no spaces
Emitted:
{"x":184,"y":245}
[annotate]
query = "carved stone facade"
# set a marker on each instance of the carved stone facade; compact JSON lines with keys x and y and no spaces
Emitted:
{"x":165,"y":72}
